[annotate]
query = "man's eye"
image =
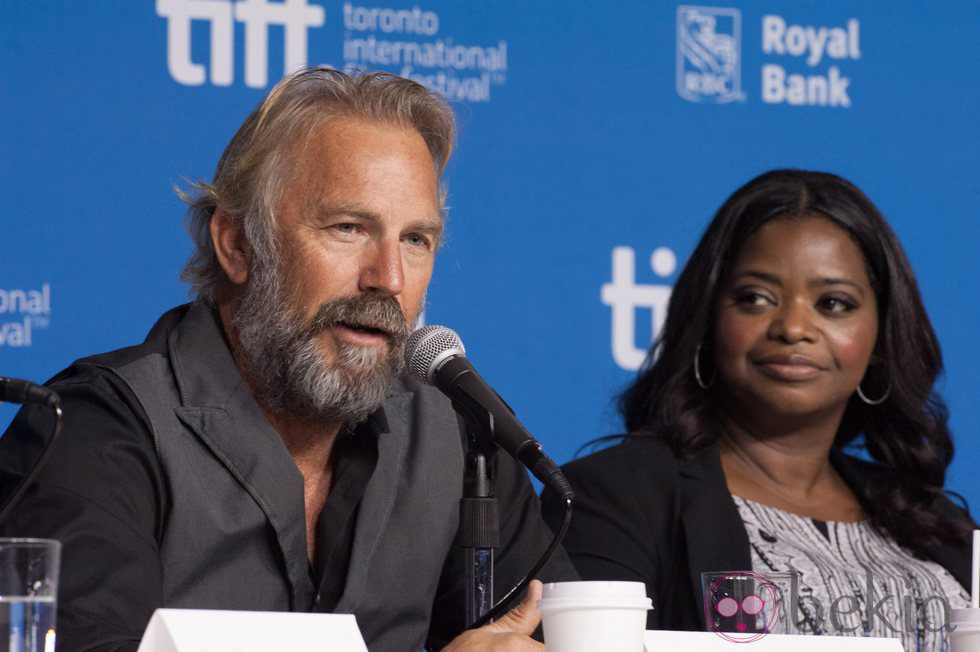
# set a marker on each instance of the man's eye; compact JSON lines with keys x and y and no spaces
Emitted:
{"x":416,"y":240}
{"x":345,"y":227}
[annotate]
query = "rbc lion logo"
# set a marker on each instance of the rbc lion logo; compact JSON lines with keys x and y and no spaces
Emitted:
{"x":709,"y":54}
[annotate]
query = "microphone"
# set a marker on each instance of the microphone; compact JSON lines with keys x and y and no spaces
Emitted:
{"x":13,"y":390}
{"x":436,"y":356}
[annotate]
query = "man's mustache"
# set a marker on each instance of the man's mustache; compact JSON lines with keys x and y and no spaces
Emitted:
{"x":371,"y":312}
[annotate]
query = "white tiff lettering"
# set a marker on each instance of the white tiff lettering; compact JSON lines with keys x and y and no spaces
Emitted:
{"x":295,"y":16}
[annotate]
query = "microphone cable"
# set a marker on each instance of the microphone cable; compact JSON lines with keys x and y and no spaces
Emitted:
{"x":501,"y":606}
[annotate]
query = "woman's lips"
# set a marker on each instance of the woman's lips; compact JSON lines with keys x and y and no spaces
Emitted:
{"x":791,"y":368}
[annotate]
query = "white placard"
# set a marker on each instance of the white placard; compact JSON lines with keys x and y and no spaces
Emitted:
{"x":202,"y":630}
{"x":657,"y":641}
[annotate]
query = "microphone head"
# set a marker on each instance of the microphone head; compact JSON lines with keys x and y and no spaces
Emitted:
{"x":427,"y":347}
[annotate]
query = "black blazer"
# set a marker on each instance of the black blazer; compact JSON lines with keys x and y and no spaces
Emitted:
{"x":641,"y":514}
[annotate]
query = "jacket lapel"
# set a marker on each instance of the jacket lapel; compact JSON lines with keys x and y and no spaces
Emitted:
{"x":218,"y":408}
{"x":714,"y":534}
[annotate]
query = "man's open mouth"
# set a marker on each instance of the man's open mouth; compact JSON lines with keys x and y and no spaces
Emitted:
{"x":363,"y":328}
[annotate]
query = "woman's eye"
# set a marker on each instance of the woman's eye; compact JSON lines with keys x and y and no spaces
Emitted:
{"x":750,"y":298}
{"x":838,"y":304}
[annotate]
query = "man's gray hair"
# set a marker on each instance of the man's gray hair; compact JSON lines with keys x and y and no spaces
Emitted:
{"x":259,"y":160}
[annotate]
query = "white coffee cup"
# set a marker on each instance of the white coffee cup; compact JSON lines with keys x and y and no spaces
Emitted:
{"x":592,"y":616}
{"x":965,"y":634}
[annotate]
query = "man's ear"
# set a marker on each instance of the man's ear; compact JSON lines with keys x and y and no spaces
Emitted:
{"x":232,"y":248}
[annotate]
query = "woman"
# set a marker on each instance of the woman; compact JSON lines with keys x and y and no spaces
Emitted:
{"x":795,"y":331}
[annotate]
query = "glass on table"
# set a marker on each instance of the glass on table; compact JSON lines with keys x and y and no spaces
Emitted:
{"x":28,"y":594}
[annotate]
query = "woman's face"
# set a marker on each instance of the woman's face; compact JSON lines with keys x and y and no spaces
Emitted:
{"x":796,"y":321}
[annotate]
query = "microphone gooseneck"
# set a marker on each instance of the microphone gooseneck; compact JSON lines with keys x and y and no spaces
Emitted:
{"x":435,"y":355}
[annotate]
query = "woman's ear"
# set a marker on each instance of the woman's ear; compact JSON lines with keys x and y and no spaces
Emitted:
{"x":231,"y":246}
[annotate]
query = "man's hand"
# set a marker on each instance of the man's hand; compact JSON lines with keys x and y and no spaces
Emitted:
{"x":512,"y":633}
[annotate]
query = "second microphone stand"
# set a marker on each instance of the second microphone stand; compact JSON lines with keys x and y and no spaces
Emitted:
{"x":479,"y":525}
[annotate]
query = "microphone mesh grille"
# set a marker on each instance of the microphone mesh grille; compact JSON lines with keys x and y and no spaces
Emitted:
{"x":428,"y":345}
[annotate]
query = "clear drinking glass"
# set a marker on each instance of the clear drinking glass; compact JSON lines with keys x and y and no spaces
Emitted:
{"x":28,"y":594}
{"x":744,"y":606}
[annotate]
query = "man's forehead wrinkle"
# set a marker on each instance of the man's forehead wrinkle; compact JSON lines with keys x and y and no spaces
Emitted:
{"x":314,"y":201}
{"x":329,"y":209}
{"x":311,"y":196}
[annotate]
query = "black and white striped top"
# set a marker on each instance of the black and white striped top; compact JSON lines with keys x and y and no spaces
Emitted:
{"x":840,"y":565}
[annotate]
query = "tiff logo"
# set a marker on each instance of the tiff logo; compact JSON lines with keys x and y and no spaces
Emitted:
{"x":625,"y":296}
{"x":295,"y":16}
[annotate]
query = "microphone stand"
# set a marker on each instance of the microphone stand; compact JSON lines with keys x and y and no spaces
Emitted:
{"x":436,"y":356}
{"x":479,"y":525}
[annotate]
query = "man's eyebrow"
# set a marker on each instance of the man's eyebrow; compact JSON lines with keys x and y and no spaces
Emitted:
{"x":434,"y":227}
{"x":328,"y":211}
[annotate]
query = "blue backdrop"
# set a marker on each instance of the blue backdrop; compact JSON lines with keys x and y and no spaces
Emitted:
{"x":596,"y":142}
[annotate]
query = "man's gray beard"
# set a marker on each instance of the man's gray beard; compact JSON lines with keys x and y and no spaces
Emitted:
{"x":286,"y":367}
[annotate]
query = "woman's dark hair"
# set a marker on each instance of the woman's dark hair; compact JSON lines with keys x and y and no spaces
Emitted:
{"x":906,"y":435}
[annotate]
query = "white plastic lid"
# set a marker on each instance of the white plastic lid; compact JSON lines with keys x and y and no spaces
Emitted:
{"x":602,"y":589}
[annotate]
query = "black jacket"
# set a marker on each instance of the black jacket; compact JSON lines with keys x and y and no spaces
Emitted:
{"x":641,"y":514}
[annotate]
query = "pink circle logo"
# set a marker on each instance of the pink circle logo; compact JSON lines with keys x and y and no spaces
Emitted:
{"x":742,"y":606}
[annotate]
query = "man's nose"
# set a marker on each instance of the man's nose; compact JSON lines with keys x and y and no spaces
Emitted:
{"x":381,"y":270}
{"x":793,"y":322}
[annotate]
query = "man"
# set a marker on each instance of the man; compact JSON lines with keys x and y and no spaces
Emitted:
{"x":259,"y":450}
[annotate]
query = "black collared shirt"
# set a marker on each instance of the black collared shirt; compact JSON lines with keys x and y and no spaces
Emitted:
{"x":355,"y":455}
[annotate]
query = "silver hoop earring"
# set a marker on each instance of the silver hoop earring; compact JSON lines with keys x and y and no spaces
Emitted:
{"x":879,"y":401}
{"x":697,"y":371}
